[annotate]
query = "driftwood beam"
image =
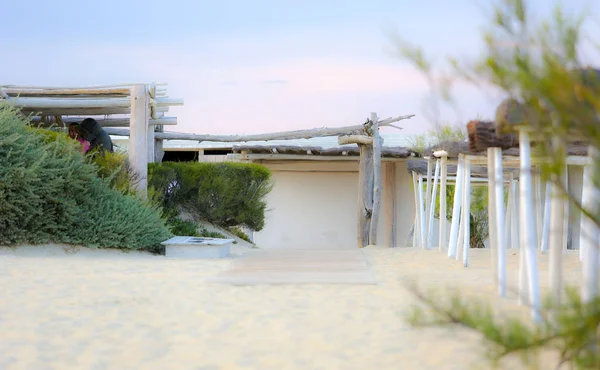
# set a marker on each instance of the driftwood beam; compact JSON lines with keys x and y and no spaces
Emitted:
{"x":377,"y":144}
{"x":355,"y":139}
{"x":104,"y":122}
{"x":365,"y":194}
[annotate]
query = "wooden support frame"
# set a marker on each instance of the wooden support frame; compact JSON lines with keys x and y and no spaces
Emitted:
{"x":377,"y":144}
{"x":499,"y":215}
{"x":417,"y":227}
{"x":436,"y":175}
{"x":467,"y":213}
{"x":591,"y":252}
{"x":422,"y":226}
{"x":365,"y":194}
{"x":428,"y":189}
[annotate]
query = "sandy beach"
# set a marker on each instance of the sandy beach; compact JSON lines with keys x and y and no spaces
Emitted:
{"x":93,"y":309}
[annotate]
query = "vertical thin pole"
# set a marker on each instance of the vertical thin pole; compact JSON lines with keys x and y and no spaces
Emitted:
{"x":443,"y":222}
{"x":390,"y":203}
{"x":417,"y":228}
{"x":421,"y":213}
{"x":546,"y":226}
{"x":454,"y":226}
{"x":528,"y":229}
{"x":466,"y":208}
{"x":433,"y":201}
{"x":492,"y":215}
{"x":500,"y":236}
{"x":591,"y":259}
{"x":427,"y":201}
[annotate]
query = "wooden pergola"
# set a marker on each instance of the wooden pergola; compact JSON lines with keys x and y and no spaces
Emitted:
{"x":141,"y":107}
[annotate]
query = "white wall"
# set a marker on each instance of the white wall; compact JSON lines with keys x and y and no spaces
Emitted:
{"x":313,"y":205}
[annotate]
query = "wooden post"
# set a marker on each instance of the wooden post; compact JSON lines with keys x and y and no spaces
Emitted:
{"x":514,"y":235}
{"x":138,"y":146}
{"x":159,"y":152}
{"x":591,"y":232}
{"x":390,"y":203}
{"x":492,"y":222}
{"x":417,"y":228}
{"x":427,"y":201}
{"x":528,"y":231}
{"x":443,"y":180}
{"x":499,"y":210}
{"x":555,"y":243}
{"x":433,"y":201}
{"x":454,"y":226}
{"x":586,"y":201}
{"x":377,"y":143}
{"x":467,"y":213}
{"x":365,"y":194}
{"x":422,"y":226}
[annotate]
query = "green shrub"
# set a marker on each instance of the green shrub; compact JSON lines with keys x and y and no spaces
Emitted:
{"x":49,"y":192}
{"x":211,"y":234}
{"x":240,"y":234}
{"x":225,"y":194}
{"x":115,"y":168}
{"x":183,"y":228}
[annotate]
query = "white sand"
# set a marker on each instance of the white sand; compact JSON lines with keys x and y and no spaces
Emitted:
{"x":109,"y":310}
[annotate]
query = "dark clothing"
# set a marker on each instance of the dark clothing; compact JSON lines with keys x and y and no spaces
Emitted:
{"x":97,"y":137}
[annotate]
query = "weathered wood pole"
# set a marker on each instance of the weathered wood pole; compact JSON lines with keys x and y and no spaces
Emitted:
{"x":433,"y":201}
{"x":365,"y":194}
{"x":138,"y":146}
{"x":514,"y":235}
{"x":500,"y":225}
{"x":377,"y":143}
{"x":443,"y":222}
{"x":509,"y":215}
{"x":555,"y":243}
{"x":591,"y":258}
{"x":390,"y":204}
{"x":528,"y":229}
{"x":455,"y":222}
{"x":466,"y":212}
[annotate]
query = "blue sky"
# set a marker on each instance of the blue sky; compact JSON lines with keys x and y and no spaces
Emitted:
{"x":251,"y":66}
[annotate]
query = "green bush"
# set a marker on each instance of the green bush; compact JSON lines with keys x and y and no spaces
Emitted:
{"x":115,"y":168}
{"x":240,"y":234}
{"x":183,"y":228}
{"x":49,"y":192}
{"x":225,"y":194}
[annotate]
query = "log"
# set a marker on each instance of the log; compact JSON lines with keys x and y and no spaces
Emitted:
{"x":377,"y":144}
{"x":390,"y":204}
{"x":82,"y":111}
{"x":591,"y":257}
{"x":355,"y":139}
{"x":436,"y":176}
{"x":417,"y":228}
{"x":500,"y":225}
{"x":104,"y":122}
{"x":428,"y":189}
{"x":283,"y":135}
{"x":29,"y":91}
{"x":365,"y":194}
{"x":159,"y":152}
{"x":482,"y":135}
{"x":138,"y":145}
{"x":72,"y":103}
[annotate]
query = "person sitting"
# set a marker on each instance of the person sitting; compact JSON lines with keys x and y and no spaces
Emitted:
{"x":75,"y":134}
{"x":98,"y":138}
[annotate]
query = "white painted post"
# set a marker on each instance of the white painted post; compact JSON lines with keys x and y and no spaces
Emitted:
{"x":546,"y":225}
{"x":555,"y":243}
{"x":138,"y":146}
{"x":500,"y":236}
{"x":509,"y":215}
{"x":427,"y":201}
{"x":432,"y":205}
{"x":417,"y":228}
{"x":515,"y":215}
{"x":421,"y":213}
{"x":454,"y":226}
{"x":443,"y":238}
{"x":586,"y":201}
{"x":591,"y":258}
{"x":492,"y":224}
{"x":567,"y":215}
{"x":467,"y":208}
{"x":528,"y":229}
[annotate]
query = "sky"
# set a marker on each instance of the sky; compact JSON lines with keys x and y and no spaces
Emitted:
{"x":254,"y":66}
